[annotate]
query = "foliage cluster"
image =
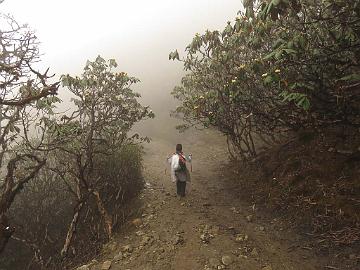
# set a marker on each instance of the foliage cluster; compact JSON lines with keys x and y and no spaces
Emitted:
{"x":283,"y":65}
{"x":64,"y":177}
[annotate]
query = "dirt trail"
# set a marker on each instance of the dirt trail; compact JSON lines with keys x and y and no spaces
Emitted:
{"x":209,"y":229}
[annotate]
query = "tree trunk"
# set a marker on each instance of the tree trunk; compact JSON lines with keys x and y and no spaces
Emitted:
{"x":9,"y":192}
{"x":5,"y":232}
{"x":72,"y":229}
{"x":104,"y":213}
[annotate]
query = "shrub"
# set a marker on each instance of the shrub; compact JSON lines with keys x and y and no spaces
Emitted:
{"x":284,"y":66}
{"x":45,"y":208}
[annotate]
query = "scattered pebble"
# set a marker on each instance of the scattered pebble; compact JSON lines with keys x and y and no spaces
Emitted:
{"x":177,"y":239}
{"x":227,"y":260}
{"x":241,"y":238}
{"x":137,"y":222}
{"x":127,"y":248}
{"x":139,"y":233}
{"x":118,"y":257}
{"x":84,"y":267}
{"x":106,"y":265}
{"x":254,"y":252}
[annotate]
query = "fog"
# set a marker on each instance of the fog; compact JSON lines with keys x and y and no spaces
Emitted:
{"x":138,"y":34}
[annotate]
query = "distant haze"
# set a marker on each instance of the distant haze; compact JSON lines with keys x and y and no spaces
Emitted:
{"x":138,"y":34}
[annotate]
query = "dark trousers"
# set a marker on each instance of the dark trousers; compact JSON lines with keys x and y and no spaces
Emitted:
{"x":180,"y":188}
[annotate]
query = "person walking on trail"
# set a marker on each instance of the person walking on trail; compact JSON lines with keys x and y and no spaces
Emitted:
{"x":179,"y":171}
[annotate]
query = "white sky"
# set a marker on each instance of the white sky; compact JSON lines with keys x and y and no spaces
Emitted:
{"x":138,"y":34}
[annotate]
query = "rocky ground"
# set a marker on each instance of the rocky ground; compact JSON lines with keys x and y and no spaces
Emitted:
{"x":210,"y":229}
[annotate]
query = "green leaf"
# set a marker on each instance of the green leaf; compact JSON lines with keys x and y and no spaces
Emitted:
{"x":269,"y":56}
{"x":276,"y":2}
{"x":100,"y":60}
{"x":278,"y":43}
{"x":65,"y":80}
{"x":268,"y":79}
{"x":112,"y":63}
{"x":278,"y":54}
{"x":306,"y":104}
{"x":228,"y":28}
{"x":301,"y":100}
{"x":351,"y":78}
{"x":238,"y":25}
{"x":290,"y":51}
{"x":174,"y":55}
{"x":269,"y":8}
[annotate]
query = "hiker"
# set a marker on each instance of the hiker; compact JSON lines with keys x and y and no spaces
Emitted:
{"x":178,"y":170}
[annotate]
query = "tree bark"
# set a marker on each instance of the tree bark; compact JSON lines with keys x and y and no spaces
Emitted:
{"x":72,"y":229}
{"x":5,"y":232}
{"x":10,"y":190}
{"x":104,"y":213}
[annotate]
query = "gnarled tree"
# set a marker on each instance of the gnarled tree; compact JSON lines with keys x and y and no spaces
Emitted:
{"x":26,"y":97}
{"x":106,"y":110}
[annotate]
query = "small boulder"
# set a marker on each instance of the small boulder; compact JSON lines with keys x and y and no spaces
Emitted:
{"x":227,"y":260}
{"x":127,"y":248}
{"x":177,"y":239}
{"x":118,"y":257}
{"x":241,"y":238}
{"x":139,"y":233}
{"x":254,"y":252}
{"x":137,"y":222}
{"x":145,"y":240}
{"x":106,"y":265}
{"x":84,"y":267}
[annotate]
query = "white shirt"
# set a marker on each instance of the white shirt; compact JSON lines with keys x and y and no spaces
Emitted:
{"x":174,"y":165}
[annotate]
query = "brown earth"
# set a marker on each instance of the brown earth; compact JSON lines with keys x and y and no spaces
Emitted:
{"x":216,"y":226}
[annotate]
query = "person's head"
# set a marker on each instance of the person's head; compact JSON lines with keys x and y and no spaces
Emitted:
{"x":178,"y":148}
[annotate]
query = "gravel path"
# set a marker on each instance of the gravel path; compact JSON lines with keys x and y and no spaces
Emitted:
{"x":209,"y":229}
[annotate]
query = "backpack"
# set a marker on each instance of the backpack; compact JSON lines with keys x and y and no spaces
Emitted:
{"x":182,"y":163}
